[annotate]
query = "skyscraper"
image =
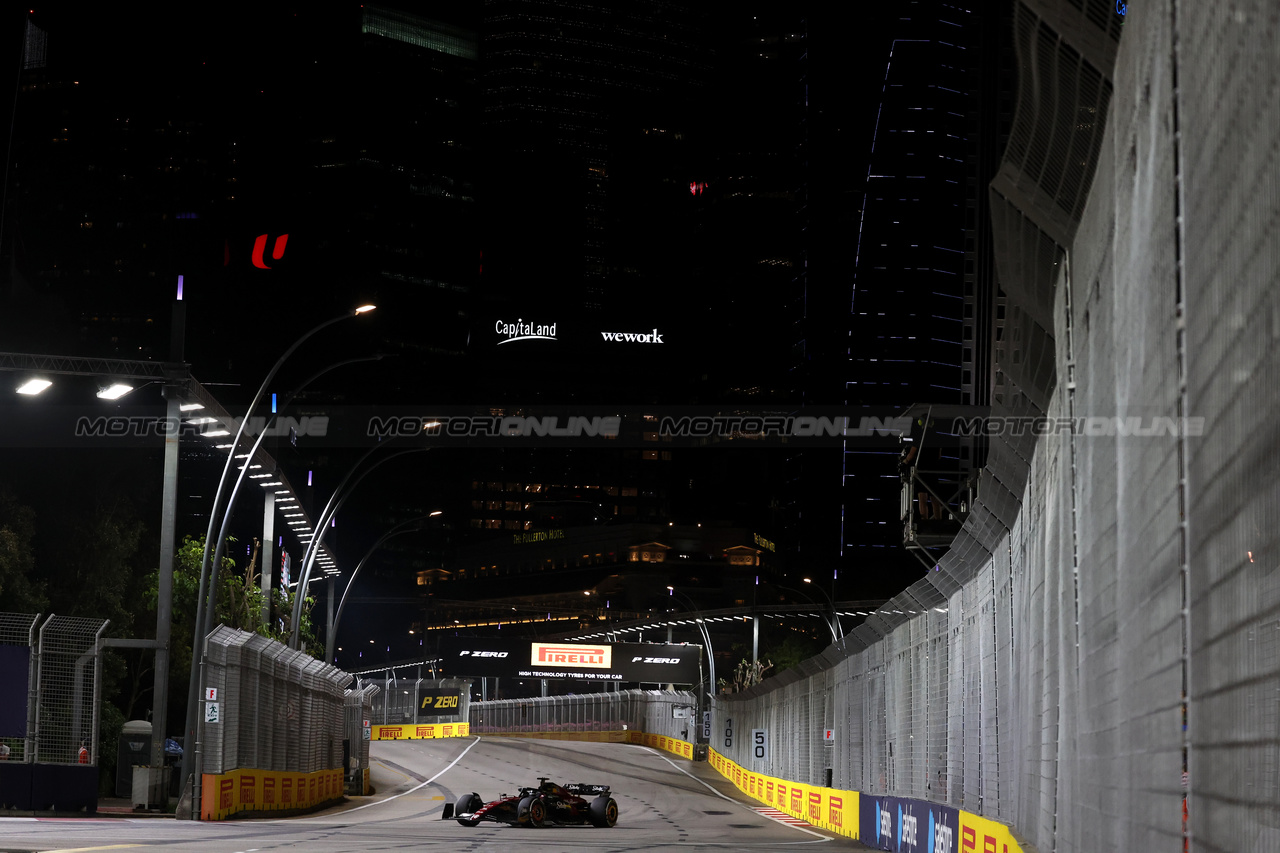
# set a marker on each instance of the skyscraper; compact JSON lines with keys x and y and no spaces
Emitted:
{"x":563,"y":84}
{"x":916,"y":289}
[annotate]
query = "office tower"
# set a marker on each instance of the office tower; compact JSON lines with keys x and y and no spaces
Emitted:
{"x":919,"y":295}
{"x":563,"y":85}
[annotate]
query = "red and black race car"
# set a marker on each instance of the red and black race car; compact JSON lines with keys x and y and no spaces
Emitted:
{"x":548,"y":804}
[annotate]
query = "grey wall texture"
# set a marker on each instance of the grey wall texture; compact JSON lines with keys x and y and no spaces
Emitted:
{"x":1103,"y":640}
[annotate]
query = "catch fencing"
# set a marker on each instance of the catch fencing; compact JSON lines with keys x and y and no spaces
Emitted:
{"x":277,"y":708}
{"x":53,"y":668}
{"x":1096,"y":661}
{"x":357,"y":710}
{"x":397,"y":702}
{"x":649,"y":711}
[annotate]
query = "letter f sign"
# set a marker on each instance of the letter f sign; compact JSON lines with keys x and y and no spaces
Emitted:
{"x":260,"y":246}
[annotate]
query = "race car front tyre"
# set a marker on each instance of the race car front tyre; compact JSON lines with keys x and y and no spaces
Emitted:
{"x":522,"y":811}
{"x":467,"y":804}
{"x":602,"y":812}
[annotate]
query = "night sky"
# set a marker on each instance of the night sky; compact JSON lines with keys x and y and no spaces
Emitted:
{"x":260,"y":90}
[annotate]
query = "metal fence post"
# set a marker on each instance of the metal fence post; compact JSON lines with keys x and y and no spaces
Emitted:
{"x":35,"y":750}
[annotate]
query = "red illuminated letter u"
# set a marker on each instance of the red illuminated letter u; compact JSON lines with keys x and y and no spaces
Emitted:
{"x":260,"y":246}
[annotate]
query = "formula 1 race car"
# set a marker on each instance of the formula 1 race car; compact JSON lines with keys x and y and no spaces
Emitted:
{"x":546,"y":805}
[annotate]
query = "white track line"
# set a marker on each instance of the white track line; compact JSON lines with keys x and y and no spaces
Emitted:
{"x":411,"y":790}
{"x":723,"y":797}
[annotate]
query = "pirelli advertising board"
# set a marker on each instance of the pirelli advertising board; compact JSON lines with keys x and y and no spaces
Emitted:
{"x":624,"y":662}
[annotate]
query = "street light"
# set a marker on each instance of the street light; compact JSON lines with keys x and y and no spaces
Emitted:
{"x":400,"y":529}
{"x":837,"y":633}
{"x":114,"y":391}
{"x":33,"y":386}
{"x":706,"y":637}
{"x":210,"y":608}
{"x":193,"y":692}
{"x":175,"y":376}
{"x":336,"y":500}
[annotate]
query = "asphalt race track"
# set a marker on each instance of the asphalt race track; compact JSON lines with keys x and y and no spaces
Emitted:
{"x":664,"y":804}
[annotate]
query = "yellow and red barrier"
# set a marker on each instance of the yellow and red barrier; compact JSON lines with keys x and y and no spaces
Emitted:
{"x":423,"y":731}
{"x":887,"y":823}
{"x":245,"y":792}
{"x":831,"y":809}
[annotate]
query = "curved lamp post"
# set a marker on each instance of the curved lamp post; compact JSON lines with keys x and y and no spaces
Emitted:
{"x":214,"y":570}
{"x":400,"y":529}
{"x":831,"y":625}
{"x":837,"y":632}
{"x":193,"y":693}
{"x":336,"y":500}
{"x":706,"y":637}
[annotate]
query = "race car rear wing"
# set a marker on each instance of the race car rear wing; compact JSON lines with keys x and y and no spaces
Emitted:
{"x":581,"y":789}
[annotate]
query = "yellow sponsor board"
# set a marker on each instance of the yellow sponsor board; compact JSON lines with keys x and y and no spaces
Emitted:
{"x":244,"y":792}
{"x":826,"y":808}
{"x":422,"y":731}
{"x":675,"y":746}
{"x":837,"y":810}
{"x":981,"y":835}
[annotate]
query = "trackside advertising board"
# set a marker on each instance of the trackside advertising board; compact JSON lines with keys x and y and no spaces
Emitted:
{"x":433,"y":702}
{"x":914,"y":826}
{"x":896,"y":824}
{"x":253,"y":792}
{"x":826,"y":808}
{"x":625,"y":662}
{"x":908,"y":826}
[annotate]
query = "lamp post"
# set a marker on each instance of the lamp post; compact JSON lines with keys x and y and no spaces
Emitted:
{"x":831,"y":625}
{"x":706,"y":637}
{"x":336,"y":500}
{"x":330,"y":640}
{"x":837,"y":631}
{"x":175,"y":377}
{"x":193,"y":691}
{"x":210,"y":611}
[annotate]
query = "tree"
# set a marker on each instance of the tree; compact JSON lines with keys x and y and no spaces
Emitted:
{"x":745,"y":675}
{"x":19,"y":591}
{"x":96,"y":571}
{"x":239,"y":605}
{"x":785,"y":646}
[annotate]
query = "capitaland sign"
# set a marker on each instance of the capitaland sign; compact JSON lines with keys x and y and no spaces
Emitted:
{"x":563,"y":654}
{"x":522,"y":331}
{"x":654,"y":337}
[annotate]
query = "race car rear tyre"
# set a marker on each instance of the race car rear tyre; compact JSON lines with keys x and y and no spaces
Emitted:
{"x":537,"y":813}
{"x":602,"y":812}
{"x":467,"y":804}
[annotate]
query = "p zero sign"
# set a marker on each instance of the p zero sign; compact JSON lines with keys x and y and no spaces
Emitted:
{"x":433,"y":702}
{"x":626,"y":662}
